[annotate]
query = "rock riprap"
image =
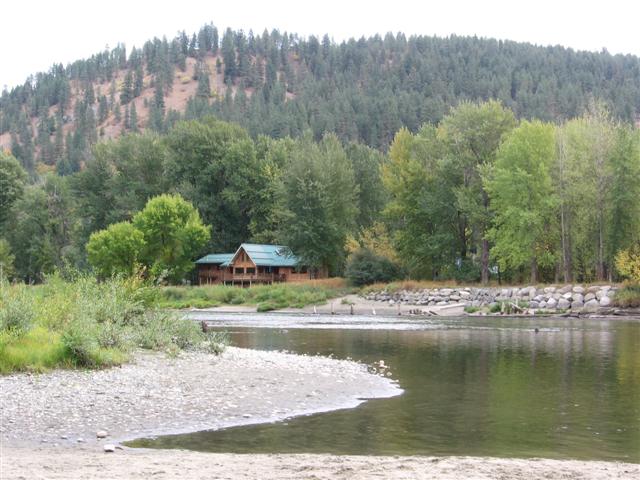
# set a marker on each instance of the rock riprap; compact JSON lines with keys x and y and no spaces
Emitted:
{"x":553,"y":298}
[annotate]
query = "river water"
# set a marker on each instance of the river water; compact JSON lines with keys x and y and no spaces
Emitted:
{"x":473,"y":386}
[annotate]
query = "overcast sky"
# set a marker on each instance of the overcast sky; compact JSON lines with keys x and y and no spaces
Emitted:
{"x":36,"y":34}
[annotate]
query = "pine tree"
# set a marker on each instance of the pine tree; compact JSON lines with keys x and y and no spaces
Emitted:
{"x":127,"y":124}
{"x":156,"y":112}
{"x":103,"y":109}
{"x":126,"y":94}
{"x":89,"y":95}
{"x":138,"y":82}
{"x":229,"y":56}
{"x":193,"y":46}
{"x":133,"y":120}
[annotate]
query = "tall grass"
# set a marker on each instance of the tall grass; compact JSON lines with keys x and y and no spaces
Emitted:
{"x":265,"y":297}
{"x":86,"y":323}
{"x":628,"y":296}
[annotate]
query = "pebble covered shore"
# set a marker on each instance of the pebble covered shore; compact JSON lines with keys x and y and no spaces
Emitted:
{"x":157,"y":394}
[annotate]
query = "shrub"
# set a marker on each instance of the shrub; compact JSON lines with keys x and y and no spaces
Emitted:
{"x":628,"y":263}
{"x":495,"y":308}
{"x":628,"y":296}
{"x":16,"y":309}
{"x":215,"y":342}
{"x":465,"y":271}
{"x":365,"y":267}
{"x":80,"y":343}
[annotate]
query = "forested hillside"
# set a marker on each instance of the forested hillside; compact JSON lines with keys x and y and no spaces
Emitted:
{"x":457,"y":158}
{"x":280,"y":85}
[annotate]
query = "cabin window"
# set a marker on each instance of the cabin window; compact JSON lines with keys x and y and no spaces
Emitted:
{"x":251,"y":270}
{"x":239,"y":270}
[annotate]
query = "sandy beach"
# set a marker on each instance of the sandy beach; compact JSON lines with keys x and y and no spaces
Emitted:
{"x":49,"y":422}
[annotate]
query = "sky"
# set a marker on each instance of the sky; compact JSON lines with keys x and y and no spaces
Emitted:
{"x":35,"y":34}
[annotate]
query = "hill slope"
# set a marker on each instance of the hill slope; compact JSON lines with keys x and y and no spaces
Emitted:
{"x":279,"y":84}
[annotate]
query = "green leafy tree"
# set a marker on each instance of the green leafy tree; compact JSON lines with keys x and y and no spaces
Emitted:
{"x":12,"y":182}
{"x":213,"y":165}
{"x":173,"y":235}
{"x":321,"y":200}
{"x":523,"y":199}
{"x":367,"y":165}
{"x":116,"y":250}
{"x":421,"y":212}
{"x":43,"y":224}
{"x":623,"y":197}
{"x":473,"y":132}
{"x":7,"y":260}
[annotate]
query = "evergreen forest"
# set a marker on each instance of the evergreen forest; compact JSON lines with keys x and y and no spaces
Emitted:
{"x":442,"y":158}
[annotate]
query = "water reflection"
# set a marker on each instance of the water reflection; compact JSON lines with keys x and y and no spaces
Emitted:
{"x":479,"y":387}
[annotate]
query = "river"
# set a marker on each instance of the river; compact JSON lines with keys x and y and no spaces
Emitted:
{"x":505,"y":387}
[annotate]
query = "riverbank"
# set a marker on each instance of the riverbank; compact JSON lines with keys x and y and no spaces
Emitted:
{"x":156,"y":394}
{"x":49,"y":422}
{"x":82,"y":463}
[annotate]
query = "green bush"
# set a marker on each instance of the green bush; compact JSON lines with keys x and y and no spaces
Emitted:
{"x":365,"y":267}
{"x":465,"y":271}
{"x":628,"y":296}
{"x":495,"y":308}
{"x":80,"y":343}
{"x":16,"y":309}
{"x":85,"y":323}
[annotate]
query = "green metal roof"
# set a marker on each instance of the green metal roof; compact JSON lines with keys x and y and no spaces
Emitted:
{"x":216,"y":258}
{"x":261,"y":255}
{"x":270,"y":255}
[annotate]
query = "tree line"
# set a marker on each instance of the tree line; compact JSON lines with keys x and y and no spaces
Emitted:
{"x":283,"y":85}
{"x":478,"y":196}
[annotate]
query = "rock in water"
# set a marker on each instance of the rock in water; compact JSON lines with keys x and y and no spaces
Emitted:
{"x":102,"y":434}
{"x":109,"y":448}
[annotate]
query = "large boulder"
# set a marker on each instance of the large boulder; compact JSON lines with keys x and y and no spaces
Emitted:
{"x":566,"y":289}
{"x":552,"y":303}
{"x":591,"y":305}
{"x":589,"y":296}
{"x":564,"y":304}
{"x":578,"y":289}
{"x":577,"y":304}
{"x":605,"y":301}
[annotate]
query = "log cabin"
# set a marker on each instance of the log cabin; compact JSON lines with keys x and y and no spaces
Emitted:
{"x":254,"y":264}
